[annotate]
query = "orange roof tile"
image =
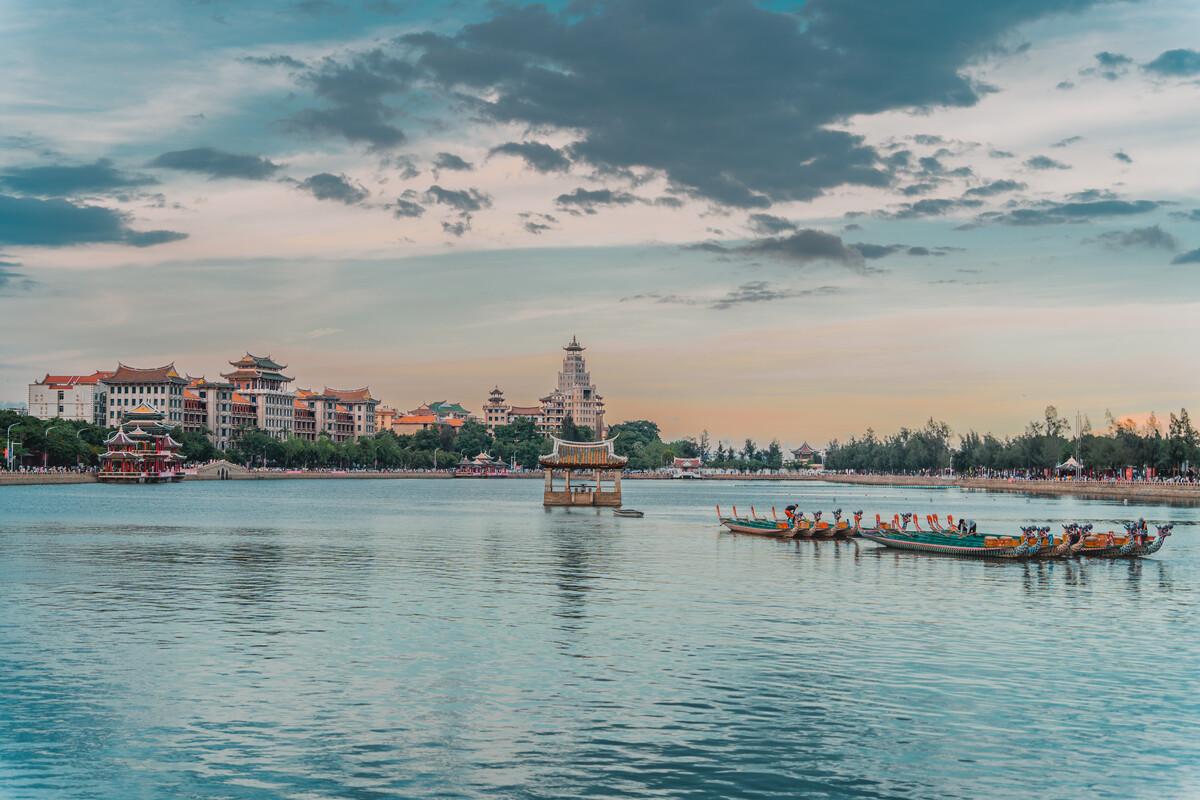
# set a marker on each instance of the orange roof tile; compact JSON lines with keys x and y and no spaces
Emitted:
{"x":351,"y":395}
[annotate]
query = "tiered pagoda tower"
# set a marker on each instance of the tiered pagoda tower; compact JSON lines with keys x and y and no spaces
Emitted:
{"x":141,"y":450}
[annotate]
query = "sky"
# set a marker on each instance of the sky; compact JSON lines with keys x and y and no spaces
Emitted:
{"x":763,"y":219}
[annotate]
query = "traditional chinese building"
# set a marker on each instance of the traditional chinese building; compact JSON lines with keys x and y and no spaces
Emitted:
{"x":141,"y":450}
{"x":261,"y":381}
{"x":160,"y":388}
{"x":73,"y":397}
{"x":805,"y":454}
{"x":575,"y":397}
{"x":481,"y":466}
{"x":583,"y":468}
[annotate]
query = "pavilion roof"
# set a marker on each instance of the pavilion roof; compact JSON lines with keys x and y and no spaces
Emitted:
{"x":127,"y":374}
{"x":585,"y":455}
{"x":144,"y":411}
{"x":804,"y":450}
{"x":252,"y":373}
{"x":250,"y":361}
{"x":574,"y":345}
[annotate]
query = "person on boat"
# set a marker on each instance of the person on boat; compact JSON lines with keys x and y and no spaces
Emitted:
{"x":966,"y":526}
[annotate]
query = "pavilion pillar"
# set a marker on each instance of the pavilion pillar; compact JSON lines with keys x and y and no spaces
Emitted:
{"x":549,"y":480}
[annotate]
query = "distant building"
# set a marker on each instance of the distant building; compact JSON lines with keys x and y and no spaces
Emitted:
{"x":408,"y":424}
{"x":686,"y":468}
{"x":160,"y":388}
{"x":575,"y":396}
{"x":384,"y":416}
{"x":805,"y":454}
{"x":208,"y":407}
{"x":73,"y":397}
{"x":261,"y":381}
{"x":481,"y":466}
{"x":360,"y":405}
{"x":443,"y":410}
{"x":318,"y":413}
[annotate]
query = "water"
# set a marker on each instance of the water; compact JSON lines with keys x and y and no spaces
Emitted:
{"x":370,"y":639}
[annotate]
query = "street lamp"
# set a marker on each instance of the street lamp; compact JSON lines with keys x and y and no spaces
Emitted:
{"x":8,"y":444}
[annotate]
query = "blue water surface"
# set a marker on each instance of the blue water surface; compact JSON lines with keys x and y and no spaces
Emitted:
{"x":420,"y":639}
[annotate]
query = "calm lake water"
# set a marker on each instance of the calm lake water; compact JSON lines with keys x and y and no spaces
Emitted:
{"x":369,"y":639}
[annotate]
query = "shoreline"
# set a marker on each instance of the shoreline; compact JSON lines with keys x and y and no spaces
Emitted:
{"x":1170,"y":493}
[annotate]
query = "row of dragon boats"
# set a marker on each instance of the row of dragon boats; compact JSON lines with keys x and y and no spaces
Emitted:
{"x":961,"y":538}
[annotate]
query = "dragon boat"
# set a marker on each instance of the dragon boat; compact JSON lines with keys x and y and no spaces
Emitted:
{"x":795,"y":526}
{"x":1033,"y":542}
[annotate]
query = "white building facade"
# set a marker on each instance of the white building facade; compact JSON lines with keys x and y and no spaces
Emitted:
{"x":161,"y":388}
{"x":71,"y":397}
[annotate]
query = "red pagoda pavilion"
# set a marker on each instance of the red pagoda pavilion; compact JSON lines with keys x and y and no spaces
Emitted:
{"x":141,"y":450}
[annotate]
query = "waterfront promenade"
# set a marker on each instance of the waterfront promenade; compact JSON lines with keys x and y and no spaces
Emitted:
{"x":1146,"y":491}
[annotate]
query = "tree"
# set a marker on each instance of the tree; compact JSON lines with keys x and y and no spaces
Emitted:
{"x":568,"y":431}
{"x":472,"y":439}
{"x":774,"y":455}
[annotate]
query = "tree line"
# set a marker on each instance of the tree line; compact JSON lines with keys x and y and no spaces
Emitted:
{"x":1044,"y":444}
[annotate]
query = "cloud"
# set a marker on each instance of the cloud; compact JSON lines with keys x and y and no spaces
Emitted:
{"x":1179,"y":63}
{"x":679,"y":88}
{"x":1064,"y":85}
{"x":537,"y":155}
{"x":1190,"y":257}
{"x":1109,"y":65}
{"x":355,"y":93}
{"x":1061,"y":213}
{"x":537,"y":223}
{"x":464,"y":201}
{"x":327,"y":186}
{"x":12,"y":281}
{"x":1152,"y":237}
{"x":457,"y":228}
{"x":60,"y":180}
{"x":802,"y":247}
{"x":403,"y":208}
{"x":1001,"y":154}
{"x":877,"y":251}
{"x":217,"y":164}
{"x":750,"y":292}
{"x":450,"y":161}
{"x":932,"y":207}
{"x":1187,"y":216}
{"x":587,"y":200}
{"x":770,"y":225}
{"x":274,"y":61}
{"x":994,"y":188}
{"x":1067,"y":142}
{"x":60,"y":223}
{"x":1122,"y":156}
{"x":1045,"y":162}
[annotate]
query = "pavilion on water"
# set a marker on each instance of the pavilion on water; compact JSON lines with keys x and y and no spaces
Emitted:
{"x":481,"y":466}
{"x":141,"y":450}
{"x":583,"y":468}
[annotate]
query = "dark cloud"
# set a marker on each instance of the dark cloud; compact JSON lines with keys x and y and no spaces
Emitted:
{"x":801,"y":247}
{"x":931,"y":165}
{"x":405,"y":165}
{"x":12,"y":281}
{"x":1061,"y":213}
{"x":59,"y":223}
{"x":217,"y":163}
{"x":928,"y":139}
{"x":355,"y":92}
{"x":1187,"y":216}
{"x":537,"y":223}
{"x":877,"y":251}
{"x":932,"y":207}
{"x":1088,"y":195}
{"x":60,"y":180}
{"x":681,"y":87}
{"x":588,"y":200}
{"x":327,"y":186}
{"x":1109,"y":66}
{"x":770,"y":225}
{"x":1122,"y":156}
{"x":1152,"y":237}
{"x":1109,"y":59}
{"x":914,"y":189}
{"x":994,"y":188}
{"x":464,"y":201}
{"x":1179,"y":63}
{"x":1067,"y":142}
{"x":406,"y":208}
{"x":1001,"y":154}
{"x":537,"y":155}
{"x":1045,"y":162}
{"x":668,"y":202}
{"x":274,"y":61}
{"x":450,"y":161}
{"x":1190,"y":257}
{"x":1064,"y":85}
{"x":457,"y":228}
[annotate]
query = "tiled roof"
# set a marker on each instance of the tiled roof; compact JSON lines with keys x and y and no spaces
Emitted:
{"x":126,"y":374}
{"x":583,"y":454}
{"x":74,"y":380}
{"x":525,"y":411}
{"x":351,"y":395}
{"x":416,"y":419}
{"x":249,"y":361}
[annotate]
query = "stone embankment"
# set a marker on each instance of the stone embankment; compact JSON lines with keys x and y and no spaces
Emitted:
{"x":31,"y":478}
